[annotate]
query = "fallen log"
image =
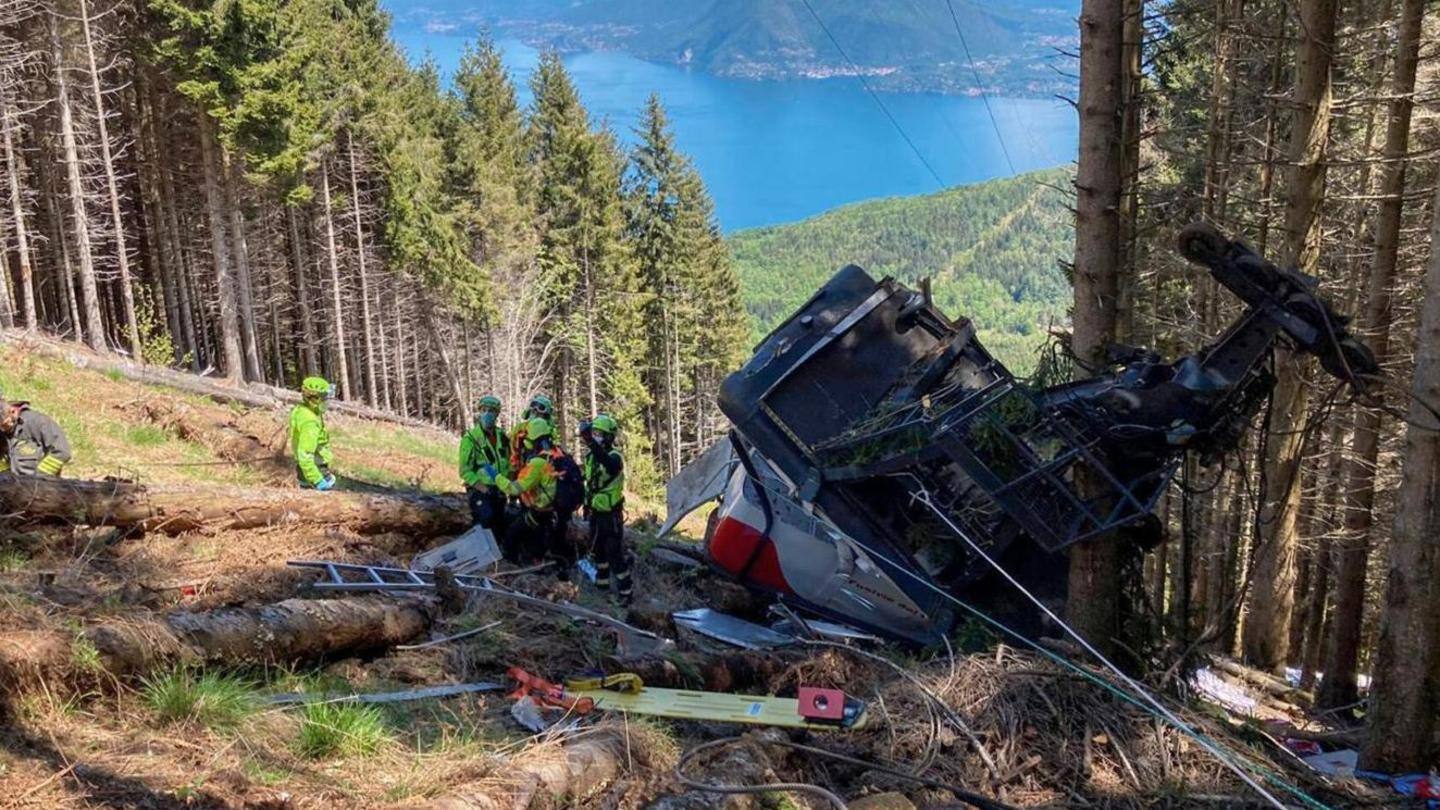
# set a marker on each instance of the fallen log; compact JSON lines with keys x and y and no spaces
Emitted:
{"x":225,"y":439}
{"x":255,"y":395}
{"x":292,"y":631}
{"x":1264,"y":681}
{"x":177,"y":509}
{"x":563,"y":778}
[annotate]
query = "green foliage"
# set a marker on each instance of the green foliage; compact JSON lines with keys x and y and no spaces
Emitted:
{"x":145,"y":435}
{"x":212,"y":699}
{"x":12,"y":560}
{"x":85,"y":656}
{"x":156,"y":345}
{"x":694,"y":325}
{"x":991,"y":248}
{"x":341,"y":729}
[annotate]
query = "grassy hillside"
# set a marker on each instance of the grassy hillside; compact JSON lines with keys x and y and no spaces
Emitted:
{"x":110,"y":435}
{"x":991,"y":249}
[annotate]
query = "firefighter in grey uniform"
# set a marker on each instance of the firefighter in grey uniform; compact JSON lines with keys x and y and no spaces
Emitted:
{"x":31,"y":443}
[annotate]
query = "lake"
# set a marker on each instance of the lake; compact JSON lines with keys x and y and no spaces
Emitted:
{"x":779,"y":151}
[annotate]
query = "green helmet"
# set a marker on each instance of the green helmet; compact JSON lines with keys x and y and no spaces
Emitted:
{"x":537,"y":429}
{"x":605,"y":423}
{"x":490,"y":401}
{"x":316,"y":386}
{"x":541,"y":404}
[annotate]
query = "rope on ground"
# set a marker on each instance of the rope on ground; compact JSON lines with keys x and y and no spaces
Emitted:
{"x":1144,"y":701}
{"x":929,"y":695}
{"x":792,"y":787}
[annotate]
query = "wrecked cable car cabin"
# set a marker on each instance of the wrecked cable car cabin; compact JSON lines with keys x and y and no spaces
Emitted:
{"x":886,"y":470}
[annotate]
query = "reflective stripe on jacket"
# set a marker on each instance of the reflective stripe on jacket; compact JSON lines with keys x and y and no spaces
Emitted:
{"x":477,"y":450}
{"x":536,"y":484}
{"x":605,"y":490}
{"x":310,"y":443}
{"x":36,"y":447}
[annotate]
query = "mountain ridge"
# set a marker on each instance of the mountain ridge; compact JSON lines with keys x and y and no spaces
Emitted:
{"x":900,"y":47}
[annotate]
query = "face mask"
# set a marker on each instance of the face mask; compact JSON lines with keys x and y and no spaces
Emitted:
{"x":487,"y":419}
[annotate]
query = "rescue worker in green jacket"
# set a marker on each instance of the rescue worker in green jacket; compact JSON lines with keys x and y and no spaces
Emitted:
{"x":604,"y":472}
{"x":485,"y":457}
{"x":540,"y":407}
{"x":309,"y":440}
{"x":31,"y":443}
{"x":535,"y":483}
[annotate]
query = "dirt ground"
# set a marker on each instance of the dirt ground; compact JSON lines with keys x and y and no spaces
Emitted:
{"x":1007,"y":723}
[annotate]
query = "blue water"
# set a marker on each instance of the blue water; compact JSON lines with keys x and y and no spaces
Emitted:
{"x":775,"y":152}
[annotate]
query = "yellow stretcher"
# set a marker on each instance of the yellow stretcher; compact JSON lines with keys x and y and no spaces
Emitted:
{"x":683,"y":704}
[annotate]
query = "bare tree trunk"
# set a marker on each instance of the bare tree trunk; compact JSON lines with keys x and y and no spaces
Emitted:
{"x":157,"y":240}
{"x":310,"y":340}
{"x":7,"y":301}
{"x":337,"y":311}
{"x":447,"y":363}
{"x":243,"y":282}
{"x":61,"y":256}
{"x":367,"y":327}
{"x":1405,"y":695}
{"x":1093,"y":606}
{"x":592,"y":384}
{"x":127,"y":294}
{"x":401,"y":384}
{"x":230,"y":339}
{"x":94,"y":327}
{"x":1339,"y":686}
{"x":1267,"y":626}
{"x":1272,"y":116}
{"x":17,"y":210}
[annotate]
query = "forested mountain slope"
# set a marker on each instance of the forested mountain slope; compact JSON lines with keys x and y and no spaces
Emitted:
{"x":269,"y":191}
{"x":904,"y":46}
{"x":991,"y":248}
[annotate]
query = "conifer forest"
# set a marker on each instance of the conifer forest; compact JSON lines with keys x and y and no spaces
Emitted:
{"x":266,"y":190}
{"x":259,"y":191}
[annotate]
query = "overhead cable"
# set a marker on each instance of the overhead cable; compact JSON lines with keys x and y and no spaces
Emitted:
{"x":875,"y":96}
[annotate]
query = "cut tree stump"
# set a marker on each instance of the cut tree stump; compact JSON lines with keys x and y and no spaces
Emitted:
{"x":563,"y":778}
{"x":176,"y":509}
{"x":292,"y":631}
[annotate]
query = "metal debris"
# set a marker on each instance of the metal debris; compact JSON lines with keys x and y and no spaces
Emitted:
{"x":348,"y":577}
{"x":447,"y":690}
{"x":469,"y":553}
{"x":731,"y":630}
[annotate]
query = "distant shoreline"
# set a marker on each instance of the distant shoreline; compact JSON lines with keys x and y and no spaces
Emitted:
{"x":1031,"y":72}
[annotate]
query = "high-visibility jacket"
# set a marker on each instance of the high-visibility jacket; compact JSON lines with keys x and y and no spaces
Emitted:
{"x":37,"y":445}
{"x":517,"y":441}
{"x":535,"y":483}
{"x":478,"y":451}
{"x":604,"y":479}
{"x":310,"y":443}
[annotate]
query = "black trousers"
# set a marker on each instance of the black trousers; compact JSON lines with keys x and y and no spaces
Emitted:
{"x":607,"y":538}
{"x":560,"y":548}
{"x":487,"y":508}
{"x":528,"y":536}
